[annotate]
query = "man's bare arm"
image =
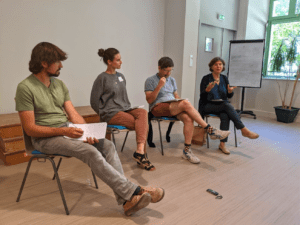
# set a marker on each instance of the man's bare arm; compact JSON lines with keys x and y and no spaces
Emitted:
{"x":33,"y":130}
{"x":76,"y":118}
{"x":73,"y":115}
{"x":151,"y":96}
{"x":176,"y":95}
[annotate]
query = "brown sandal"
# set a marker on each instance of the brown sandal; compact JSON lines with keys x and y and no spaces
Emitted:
{"x":143,"y":161}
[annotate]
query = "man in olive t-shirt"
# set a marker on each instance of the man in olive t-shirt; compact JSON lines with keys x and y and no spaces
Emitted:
{"x":46,"y":102}
{"x":41,"y":100}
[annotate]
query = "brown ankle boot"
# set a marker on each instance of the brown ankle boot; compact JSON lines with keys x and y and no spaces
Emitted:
{"x":224,"y":149}
{"x":157,"y":194}
{"x":136,"y":203}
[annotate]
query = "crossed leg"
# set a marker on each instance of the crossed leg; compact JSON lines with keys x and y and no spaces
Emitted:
{"x":186,"y":107}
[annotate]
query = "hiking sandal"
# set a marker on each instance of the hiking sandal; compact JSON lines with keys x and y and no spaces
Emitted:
{"x":143,"y":161}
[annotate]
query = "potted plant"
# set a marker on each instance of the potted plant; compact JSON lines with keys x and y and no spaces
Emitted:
{"x":286,"y":55}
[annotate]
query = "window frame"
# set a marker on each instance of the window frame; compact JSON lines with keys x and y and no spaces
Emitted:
{"x":291,"y":17}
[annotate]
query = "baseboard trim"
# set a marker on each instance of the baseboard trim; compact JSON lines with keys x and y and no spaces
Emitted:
{"x":272,"y":115}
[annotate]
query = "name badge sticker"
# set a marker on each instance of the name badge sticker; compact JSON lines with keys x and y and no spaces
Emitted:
{"x":120,"y":79}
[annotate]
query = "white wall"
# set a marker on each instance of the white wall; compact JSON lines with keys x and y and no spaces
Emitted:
{"x":242,"y":19}
{"x":257,"y":17}
{"x":181,"y":40}
{"x":80,"y":28}
{"x":228,"y":8}
{"x":190,"y":48}
{"x":174,"y":36}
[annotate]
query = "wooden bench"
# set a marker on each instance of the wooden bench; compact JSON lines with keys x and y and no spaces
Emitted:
{"x":12,"y":147}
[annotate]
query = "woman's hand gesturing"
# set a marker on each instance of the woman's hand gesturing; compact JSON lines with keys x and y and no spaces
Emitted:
{"x":230,"y":89}
{"x":210,"y":86}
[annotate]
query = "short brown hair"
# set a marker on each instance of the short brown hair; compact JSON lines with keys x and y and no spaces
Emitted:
{"x":165,"y":62}
{"x":45,"y":52}
{"x":214,"y":60}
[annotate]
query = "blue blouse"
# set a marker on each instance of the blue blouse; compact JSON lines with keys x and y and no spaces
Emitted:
{"x":218,"y":91}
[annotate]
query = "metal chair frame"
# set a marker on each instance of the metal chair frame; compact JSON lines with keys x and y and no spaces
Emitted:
{"x":172,"y":120}
{"x":114,"y":131}
{"x":217,"y":116}
{"x":55,"y":169}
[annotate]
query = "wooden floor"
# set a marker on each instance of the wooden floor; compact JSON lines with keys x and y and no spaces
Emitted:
{"x":259,"y":182}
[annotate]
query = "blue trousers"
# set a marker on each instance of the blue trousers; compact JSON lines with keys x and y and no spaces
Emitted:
{"x":226,"y":112}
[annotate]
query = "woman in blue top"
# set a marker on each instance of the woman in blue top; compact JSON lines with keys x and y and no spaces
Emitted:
{"x":214,"y":94}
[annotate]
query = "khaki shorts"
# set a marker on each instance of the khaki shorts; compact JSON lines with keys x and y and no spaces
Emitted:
{"x":161,"y":109}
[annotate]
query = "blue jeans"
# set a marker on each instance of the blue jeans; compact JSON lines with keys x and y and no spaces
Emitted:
{"x":226,"y":112}
{"x":101,"y":157}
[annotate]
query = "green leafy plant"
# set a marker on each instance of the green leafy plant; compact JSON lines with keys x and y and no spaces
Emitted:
{"x":280,"y":58}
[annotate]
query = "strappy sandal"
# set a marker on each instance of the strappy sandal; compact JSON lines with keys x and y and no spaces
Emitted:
{"x":143,"y":161}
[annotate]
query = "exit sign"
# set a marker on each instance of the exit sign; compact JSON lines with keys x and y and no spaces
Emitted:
{"x":221,"y":17}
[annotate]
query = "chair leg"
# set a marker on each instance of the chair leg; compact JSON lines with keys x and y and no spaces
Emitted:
{"x":95,"y":180}
{"x":59,"y":185}
{"x":150,"y":134}
{"x":57,"y":167}
{"x":57,"y":179}
{"x":235,"y":136}
{"x":124,"y":141}
{"x":113,"y":136}
{"x":207,"y":139}
{"x":161,"y":144}
{"x":24,"y":179}
{"x":169,"y":131}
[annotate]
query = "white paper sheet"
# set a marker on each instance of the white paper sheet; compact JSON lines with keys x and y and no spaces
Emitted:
{"x":97,"y":130}
{"x":176,"y":100}
{"x":135,"y":107}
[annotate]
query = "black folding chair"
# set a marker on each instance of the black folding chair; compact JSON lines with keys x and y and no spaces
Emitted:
{"x":217,"y":116}
{"x":151,"y":117}
{"x":39,"y":155}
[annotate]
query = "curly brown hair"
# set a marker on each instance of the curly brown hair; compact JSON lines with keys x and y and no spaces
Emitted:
{"x":214,"y":60}
{"x":45,"y":52}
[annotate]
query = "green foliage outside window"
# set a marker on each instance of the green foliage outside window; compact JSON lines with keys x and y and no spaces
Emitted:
{"x":281,"y":8}
{"x":297,"y":7}
{"x":283,"y":31}
{"x":285,"y":44}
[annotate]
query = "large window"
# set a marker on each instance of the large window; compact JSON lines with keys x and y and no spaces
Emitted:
{"x":283,"y":31}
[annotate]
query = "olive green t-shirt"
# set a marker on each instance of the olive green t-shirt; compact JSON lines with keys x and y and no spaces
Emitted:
{"x":47,"y":103}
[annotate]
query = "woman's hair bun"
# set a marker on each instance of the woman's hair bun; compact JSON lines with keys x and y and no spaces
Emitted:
{"x":101,"y":52}
{"x":108,"y":54}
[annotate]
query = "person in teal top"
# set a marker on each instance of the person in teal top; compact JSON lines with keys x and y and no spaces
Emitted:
{"x":41,"y":100}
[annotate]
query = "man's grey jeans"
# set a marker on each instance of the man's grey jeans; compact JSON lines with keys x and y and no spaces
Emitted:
{"x":101,"y":157}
